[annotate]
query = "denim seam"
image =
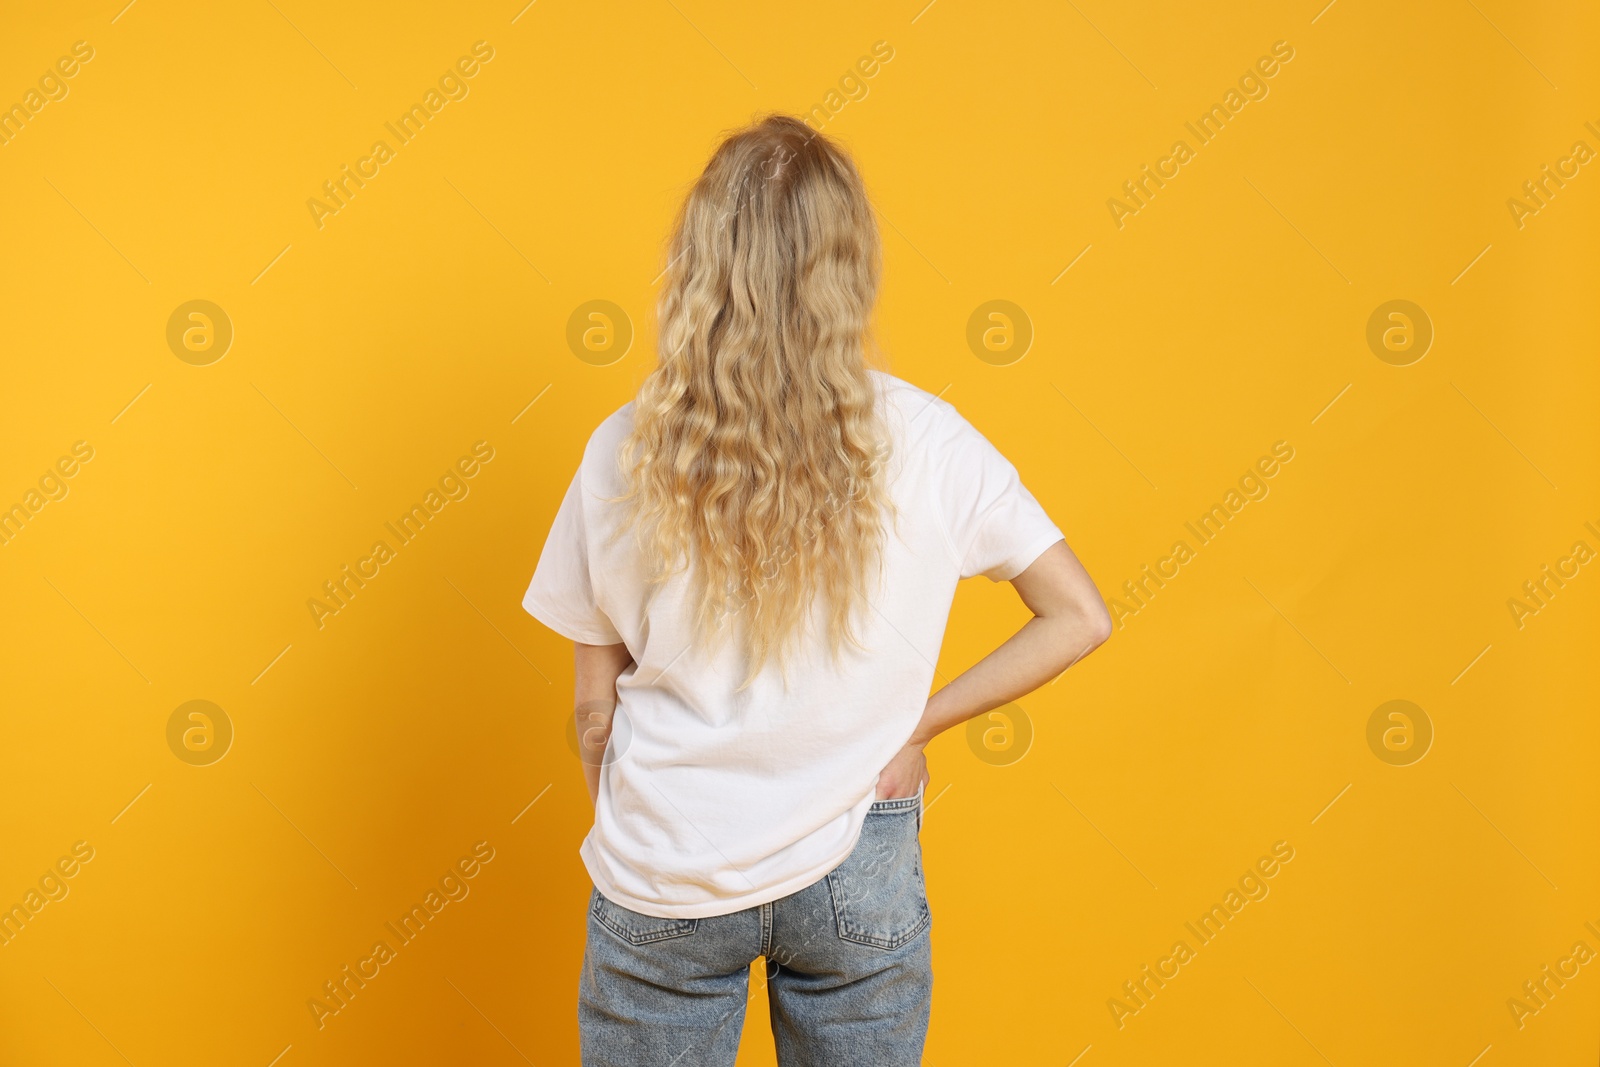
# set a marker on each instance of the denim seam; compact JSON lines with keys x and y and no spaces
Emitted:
{"x":678,"y":927}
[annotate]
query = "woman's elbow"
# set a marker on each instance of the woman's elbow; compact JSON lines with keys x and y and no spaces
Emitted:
{"x":1096,"y":622}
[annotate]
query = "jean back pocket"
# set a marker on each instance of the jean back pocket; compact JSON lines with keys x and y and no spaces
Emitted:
{"x":879,"y":897}
{"x":634,"y":928}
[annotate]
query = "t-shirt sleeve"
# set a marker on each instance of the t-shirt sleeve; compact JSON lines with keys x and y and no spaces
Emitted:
{"x":561,"y":594}
{"x":996,"y":526}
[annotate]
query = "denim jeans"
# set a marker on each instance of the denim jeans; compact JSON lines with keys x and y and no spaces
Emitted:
{"x":849,"y":967}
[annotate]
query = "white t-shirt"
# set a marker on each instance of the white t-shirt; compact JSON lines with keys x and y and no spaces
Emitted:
{"x":714,"y":801}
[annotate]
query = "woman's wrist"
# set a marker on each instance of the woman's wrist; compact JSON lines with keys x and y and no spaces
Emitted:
{"x":932,"y":723}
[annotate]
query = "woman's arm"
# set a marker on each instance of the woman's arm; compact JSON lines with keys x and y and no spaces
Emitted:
{"x":595,"y":670}
{"x":1069,"y":621}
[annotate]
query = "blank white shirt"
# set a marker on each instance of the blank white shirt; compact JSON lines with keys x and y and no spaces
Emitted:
{"x":713,"y":801}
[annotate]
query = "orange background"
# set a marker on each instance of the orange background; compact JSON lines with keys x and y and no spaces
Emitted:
{"x":368,"y":355}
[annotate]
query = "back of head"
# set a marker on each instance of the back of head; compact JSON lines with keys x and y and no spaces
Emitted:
{"x":757,"y":451}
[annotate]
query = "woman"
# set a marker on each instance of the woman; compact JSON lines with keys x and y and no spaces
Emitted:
{"x":756,"y":560}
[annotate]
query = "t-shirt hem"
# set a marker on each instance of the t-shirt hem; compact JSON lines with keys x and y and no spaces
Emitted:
{"x":722,"y":905}
{"x":1025,"y":559}
{"x":573,"y":632}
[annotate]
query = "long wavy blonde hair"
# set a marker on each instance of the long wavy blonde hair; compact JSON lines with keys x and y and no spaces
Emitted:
{"x":758,"y":450}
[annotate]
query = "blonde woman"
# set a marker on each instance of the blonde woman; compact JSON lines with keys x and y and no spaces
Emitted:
{"x":756,"y":560}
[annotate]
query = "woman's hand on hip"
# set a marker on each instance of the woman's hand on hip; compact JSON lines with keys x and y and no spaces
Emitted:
{"x":904,"y":774}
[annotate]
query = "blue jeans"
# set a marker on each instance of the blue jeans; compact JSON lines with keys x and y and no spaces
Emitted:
{"x":849,"y":967}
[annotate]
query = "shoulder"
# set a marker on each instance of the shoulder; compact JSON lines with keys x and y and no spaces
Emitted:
{"x":910,"y":404}
{"x":612,"y":429}
{"x":599,"y":466}
{"x":920,"y":417}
